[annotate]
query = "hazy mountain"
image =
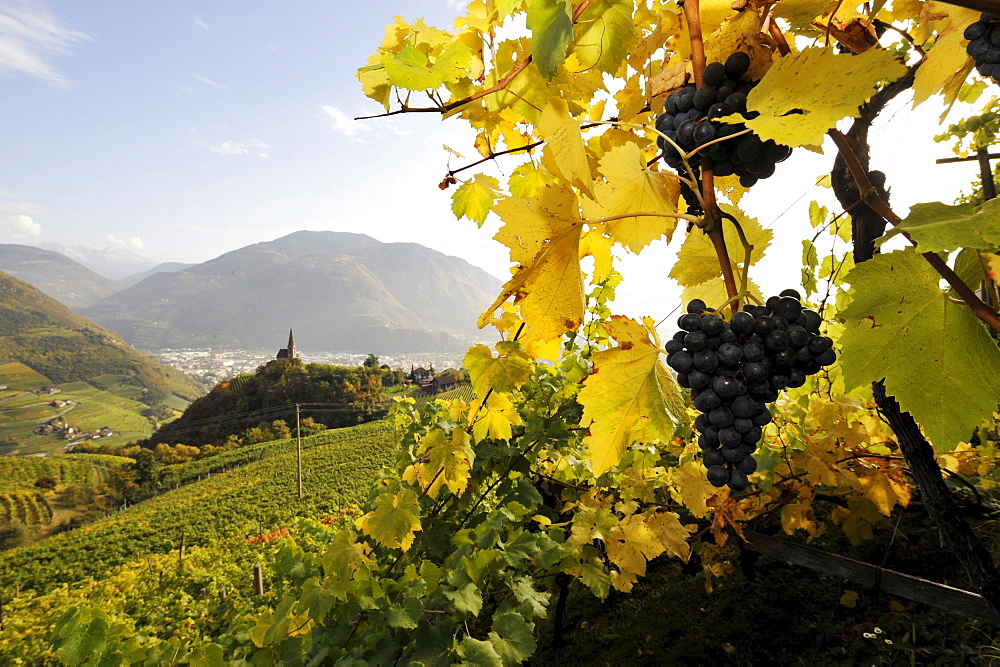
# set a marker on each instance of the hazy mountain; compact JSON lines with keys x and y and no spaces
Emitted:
{"x":165,"y":267}
{"x":55,"y":274}
{"x":338,"y":291}
{"x":111,"y":262}
{"x":39,"y":332}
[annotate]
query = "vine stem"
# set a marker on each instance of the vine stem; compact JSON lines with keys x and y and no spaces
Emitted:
{"x":692,"y":14}
{"x":870,"y":197}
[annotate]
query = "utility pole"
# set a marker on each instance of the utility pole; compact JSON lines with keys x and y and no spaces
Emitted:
{"x":298,"y":436}
{"x":983,"y":157}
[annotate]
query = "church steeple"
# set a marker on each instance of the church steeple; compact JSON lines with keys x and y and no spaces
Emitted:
{"x":288,"y":352}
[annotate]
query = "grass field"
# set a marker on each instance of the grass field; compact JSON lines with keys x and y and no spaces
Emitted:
{"x":19,"y":377}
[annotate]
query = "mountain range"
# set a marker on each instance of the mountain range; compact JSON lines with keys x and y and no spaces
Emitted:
{"x":65,"y":280}
{"x":339,"y":291}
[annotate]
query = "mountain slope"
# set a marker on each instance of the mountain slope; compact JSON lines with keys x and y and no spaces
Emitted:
{"x":108,"y":383}
{"x":338,"y":291}
{"x":168,"y":267}
{"x":55,"y":274}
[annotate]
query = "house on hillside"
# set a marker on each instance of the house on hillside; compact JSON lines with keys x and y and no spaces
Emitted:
{"x":422,"y":377}
{"x":445,"y":382}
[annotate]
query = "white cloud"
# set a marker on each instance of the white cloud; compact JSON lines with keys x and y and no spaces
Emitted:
{"x":344,"y":124}
{"x":208,"y":82}
{"x":240,"y":148}
{"x":20,"y":227}
{"x":133,"y":243}
{"x":29,"y":34}
{"x":201,"y":24}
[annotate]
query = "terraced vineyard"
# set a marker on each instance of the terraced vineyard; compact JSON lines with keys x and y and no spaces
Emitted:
{"x":130,"y":564}
{"x":20,"y":473}
{"x":338,"y":466}
{"x":29,"y":508}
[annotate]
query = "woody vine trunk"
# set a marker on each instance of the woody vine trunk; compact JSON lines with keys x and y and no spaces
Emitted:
{"x":956,"y":534}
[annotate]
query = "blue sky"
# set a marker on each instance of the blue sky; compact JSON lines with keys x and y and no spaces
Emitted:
{"x":186,"y":129}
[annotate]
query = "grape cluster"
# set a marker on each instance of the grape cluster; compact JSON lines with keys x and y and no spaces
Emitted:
{"x":687,"y":120}
{"x":984,"y":45}
{"x":735,"y":368}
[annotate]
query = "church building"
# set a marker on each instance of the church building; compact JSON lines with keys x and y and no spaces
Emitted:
{"x":288,"y":352}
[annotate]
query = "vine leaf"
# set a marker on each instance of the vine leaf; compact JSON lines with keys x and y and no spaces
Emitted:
{"x":474,"y":199}
{"x":503,"y":373}
{"x":604,"y":35}
{"x":630,"y":187}
{"x":543,"y":234}
{"x":936,"y":357}
{"x":446,"y":461}
{"x":393,"y":519}
{"x":551,"y":25}
{"x":411,"y":69}
{"x":495,"y":419}
{"x":948,"y":64}
{"x":697,"y":261}
{"x":800,"y":13}
{"x":795,"y":111}
{"x":937,"y":227}
{"x":512,"y":637}
{"x":630,"y":396}
{"x":564,"y":153}
{"x":479,"y":652}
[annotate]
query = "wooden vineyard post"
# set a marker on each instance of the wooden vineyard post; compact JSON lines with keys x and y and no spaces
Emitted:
{"x":258,"y":579}
{"x":298,"y":437}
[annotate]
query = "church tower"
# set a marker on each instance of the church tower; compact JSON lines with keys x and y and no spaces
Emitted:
{"x":288,"y":352}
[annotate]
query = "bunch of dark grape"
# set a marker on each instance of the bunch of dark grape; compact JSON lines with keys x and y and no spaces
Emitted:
{"x":687,"y":120}
{"x":984,"y":45}
{"x":735,"y":368}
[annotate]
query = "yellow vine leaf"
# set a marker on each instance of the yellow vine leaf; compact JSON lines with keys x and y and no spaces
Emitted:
{"x":444,"y":461}
{"x":697,"y":262}
{"x":741,"y":32}
{"x":543,"y":234}
{"x":474,"y":199}
{"x":692,"y":488}
{"x":495,"y":419}
{"x":503,"y":373}
{"x":671,"y":533}
{"x":947,"y":65}
{"x":798,"y":516}
{"x":344,"y":557}
{"x":795,"y":110}
{"x":564,"y":153}
{"x":595,"y":244}
{"x":393,"y":519}
{"x":800,"y":13}
{"x":630,"y":396}
{"x":878,"y":487}
{"x":631,"y":543}
{"x":631,"y":187}
{"x":993,"y":265}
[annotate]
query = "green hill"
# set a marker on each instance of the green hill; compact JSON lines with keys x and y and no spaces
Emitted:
{"x":101,"y":381}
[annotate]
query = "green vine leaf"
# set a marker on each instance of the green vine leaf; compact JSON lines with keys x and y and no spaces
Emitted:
{"x":937,"y":227}
{"x":551,"y":25}
{"x":936,"y":357}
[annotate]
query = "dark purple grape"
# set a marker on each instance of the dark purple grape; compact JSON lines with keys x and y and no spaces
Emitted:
{"x":712,"y":325}
{"x":725,"y":387}
{"x":743,"y":426}
{"x":776,"y":341}
{"x":704,"y":98}
{"x":714,"y":74}
{"x":718,"y":476}
{"x":704,"y":133}
{"x":729,"y":354}
{"x":737,"y":64}
{"x":744,"y":407}
{"x":820,"y":344}
{"x":682,"y":362}
{"x":763,"y":325}
{"x":706,"y":361}
{"x":699,"y":380}
{"x":696,"y":341}
{"x":729,"y":437}
{"x":673,"y":346}
{"x":788,"y":308}
{"x":712,"y":457}
{"x":707,"y":400}
{"x":738,"y":480}
{"x":742,"y":323}
{"x":721,"y":417}
{"x":754,"y":436}
{"x":826,"y":357}
{"x":732,"y":456}
{"x":747,"y":466}
{"x":696,"y":306}
{"x":689,"y":322}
